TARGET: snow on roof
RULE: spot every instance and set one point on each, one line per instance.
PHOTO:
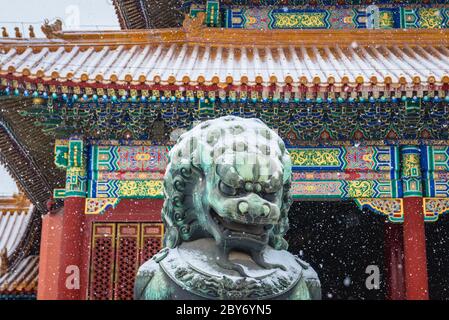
(15, 215)
(196, 64)
(21, 279)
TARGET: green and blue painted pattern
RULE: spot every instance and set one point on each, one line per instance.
(354, 159)
(135, 171)
(76, 175)
(342, 189)
(389, 17)
(435, 164)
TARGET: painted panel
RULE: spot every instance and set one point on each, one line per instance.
(389, 17)
(392, 208)
(335, 172)
(300, 189)
(338, 175)
(126, 189)
(434, 208)
(117, 175)
(350, 159)
(128, 162)
(435, 158)
(128, 158)
(436, 188)
(435, 166)
(340, 189)
(298, 19)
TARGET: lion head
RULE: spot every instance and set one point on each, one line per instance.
(228, 179)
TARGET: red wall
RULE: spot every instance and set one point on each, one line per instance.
(64, 242)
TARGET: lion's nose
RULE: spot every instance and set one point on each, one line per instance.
(243, 207)
(266, 209)
(263, 210)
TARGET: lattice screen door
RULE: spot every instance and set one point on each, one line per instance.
(118, 249)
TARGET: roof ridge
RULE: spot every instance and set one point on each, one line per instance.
(226, 37)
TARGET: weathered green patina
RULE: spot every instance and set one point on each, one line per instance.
(227, 196)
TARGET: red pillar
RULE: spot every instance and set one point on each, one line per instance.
(394, 261)
(48, 258)
(61, 247)
(415, 260)
(71, 246)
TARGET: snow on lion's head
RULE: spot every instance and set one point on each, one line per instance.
(228, 179)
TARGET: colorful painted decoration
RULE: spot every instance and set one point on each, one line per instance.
(128, 175)
(435, 158)
(121, 169)
(437, 188)
(76, 175)
(298, 122)
(213, 13)
(298, 19)
(362, 158)
(356, 17)
(318, 3)
(411, 171)
(434, 207)
(100, 205)
(392, 208)
(338, 175)
(59, 193)
(341, 189)
(126, 189)
(129, 159)
(61, 155)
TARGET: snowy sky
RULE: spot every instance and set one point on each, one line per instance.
(76, 15)
(7, 185)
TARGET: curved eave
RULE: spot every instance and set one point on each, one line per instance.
(13, 224)
(22, 279)
(24, 150)
(227, 57)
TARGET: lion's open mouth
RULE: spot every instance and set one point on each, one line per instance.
(232, 228)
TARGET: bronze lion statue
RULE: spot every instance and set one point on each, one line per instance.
(227, 197)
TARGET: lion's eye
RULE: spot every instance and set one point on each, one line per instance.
(230, 191)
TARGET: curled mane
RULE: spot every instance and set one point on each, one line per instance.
(184, 211)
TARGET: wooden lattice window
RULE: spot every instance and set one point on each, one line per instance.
(118, 249)
(102, 262)
(151, 243)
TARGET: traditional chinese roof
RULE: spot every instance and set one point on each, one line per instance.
(15, 216)
(231, 58)
(21, 281)
(19, 230)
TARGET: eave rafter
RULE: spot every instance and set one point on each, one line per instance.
(27, 165)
